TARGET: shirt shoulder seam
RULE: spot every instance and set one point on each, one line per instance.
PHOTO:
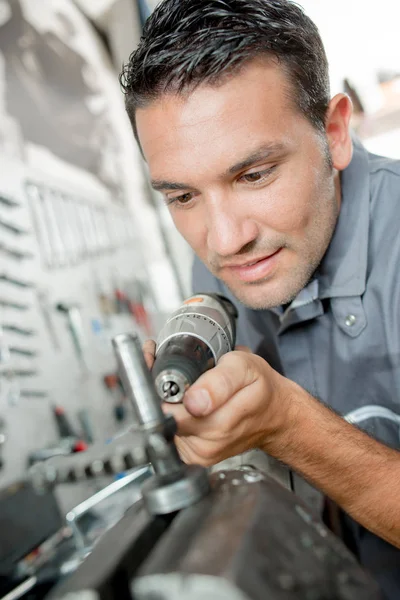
(391, 168)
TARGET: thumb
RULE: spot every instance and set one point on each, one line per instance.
(234, 371)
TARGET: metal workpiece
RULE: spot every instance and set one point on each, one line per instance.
(250, 539)
(106, 572)
(136, 379)
(163, 496)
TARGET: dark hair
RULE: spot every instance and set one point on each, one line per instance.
(189, 42)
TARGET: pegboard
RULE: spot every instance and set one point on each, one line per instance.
(40, 366)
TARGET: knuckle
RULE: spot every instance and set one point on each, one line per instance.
(206, 452)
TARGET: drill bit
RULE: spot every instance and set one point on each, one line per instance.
(170, 389)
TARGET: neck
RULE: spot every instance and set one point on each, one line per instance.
(338, 189)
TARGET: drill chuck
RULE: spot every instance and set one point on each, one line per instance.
(191, 342)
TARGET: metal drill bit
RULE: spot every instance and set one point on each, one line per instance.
(170, 389)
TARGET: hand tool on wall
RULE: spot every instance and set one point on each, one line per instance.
(7, 303)
(46, 311)
(16, 229)
(40, 222)
(8, 201)
(14, 252)
(75, 327)
(113, 384)
(33, 394)
(86, 424)
(64, 426)
(11, 328)
(23, 351)
(19, 373)
(10, 279)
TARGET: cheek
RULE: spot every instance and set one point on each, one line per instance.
(192, 228)
(292, 203)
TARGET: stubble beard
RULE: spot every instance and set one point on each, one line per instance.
(319, 238)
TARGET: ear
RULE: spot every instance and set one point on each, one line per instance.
(337, 129)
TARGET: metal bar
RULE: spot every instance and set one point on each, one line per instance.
(21, 589)
(137, 380)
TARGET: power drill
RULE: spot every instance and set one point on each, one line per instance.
(191, 342)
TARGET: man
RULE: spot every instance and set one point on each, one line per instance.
(230, 104)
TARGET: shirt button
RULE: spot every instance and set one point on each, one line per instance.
(350, 320)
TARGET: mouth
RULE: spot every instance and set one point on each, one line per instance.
(256, 270)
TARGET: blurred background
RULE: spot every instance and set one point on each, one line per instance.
(87, 250)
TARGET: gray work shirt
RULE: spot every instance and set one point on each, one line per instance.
(340, 338)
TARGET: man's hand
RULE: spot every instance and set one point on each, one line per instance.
(242, 404)
(238, 405)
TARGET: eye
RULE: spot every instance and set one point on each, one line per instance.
(181, 200)
(257, 176)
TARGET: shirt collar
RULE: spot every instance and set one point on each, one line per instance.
(342, 272)
(343, 269)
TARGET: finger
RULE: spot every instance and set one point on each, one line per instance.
(149, 351)
(243, 349)
(185, 422)
(187, 425)
(234, 371)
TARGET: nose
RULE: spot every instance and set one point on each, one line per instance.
(229, 227)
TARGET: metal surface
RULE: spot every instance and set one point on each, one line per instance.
(250, 539)
(73, 516)
(136, 379)
(162, 497)
(21, 589)
(171, 386)
(117, 555)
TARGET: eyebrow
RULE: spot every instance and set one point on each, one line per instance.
(261, 153)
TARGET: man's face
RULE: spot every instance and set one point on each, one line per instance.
(247, 180)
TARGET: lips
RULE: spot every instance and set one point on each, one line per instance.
(254, 271)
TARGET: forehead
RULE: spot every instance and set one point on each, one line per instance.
(213, 125)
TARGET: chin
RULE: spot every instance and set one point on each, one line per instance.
(265, 294)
